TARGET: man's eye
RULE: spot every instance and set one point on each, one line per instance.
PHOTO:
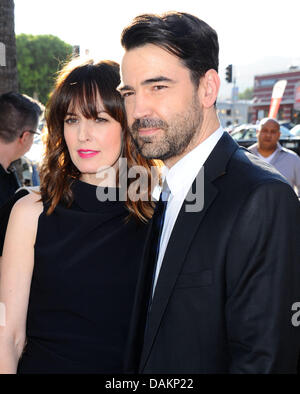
(71, 120)
(127, 94)
(159, 87)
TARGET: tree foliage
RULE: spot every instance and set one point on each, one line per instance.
(39, 58)
(247, 94)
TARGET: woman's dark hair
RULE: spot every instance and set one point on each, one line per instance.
(183, 35)
(80, 86)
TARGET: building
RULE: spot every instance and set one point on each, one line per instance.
(262, 94)
(234, 112)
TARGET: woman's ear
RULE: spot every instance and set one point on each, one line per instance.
(209, 88)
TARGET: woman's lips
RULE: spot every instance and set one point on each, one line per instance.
(86, 153)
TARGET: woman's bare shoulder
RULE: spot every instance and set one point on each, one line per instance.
(28, 207)
(23, 224)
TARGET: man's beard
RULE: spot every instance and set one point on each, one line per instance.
(177, 135)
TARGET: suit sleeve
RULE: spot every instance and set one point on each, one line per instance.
(263, 282)
(297, 174)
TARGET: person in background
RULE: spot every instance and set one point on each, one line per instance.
(219, 280)
(269, 149)
(70, 260)
(19, 117)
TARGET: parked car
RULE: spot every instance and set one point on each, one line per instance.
(296, 130)
(288, 125)
(245, 135)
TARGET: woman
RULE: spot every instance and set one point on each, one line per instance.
(70, 261)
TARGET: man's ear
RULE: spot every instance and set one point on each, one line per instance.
(26, 140)
(25, 136)
(209, 88)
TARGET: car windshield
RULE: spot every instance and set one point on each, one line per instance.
(245, 133)
(285, 132)
(237, 135)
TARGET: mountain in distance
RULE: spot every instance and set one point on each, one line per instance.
(245, 72)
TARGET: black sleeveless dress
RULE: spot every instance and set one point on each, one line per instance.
(86, 265)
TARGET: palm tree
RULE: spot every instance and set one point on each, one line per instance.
(8, 58)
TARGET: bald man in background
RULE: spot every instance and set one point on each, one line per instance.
(269, 149)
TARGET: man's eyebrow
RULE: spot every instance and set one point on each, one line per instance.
(157, 79)
(125, 87)
(146, 82)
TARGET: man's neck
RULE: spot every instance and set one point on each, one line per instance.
(6, 157)
(265, 153)
(208, 127)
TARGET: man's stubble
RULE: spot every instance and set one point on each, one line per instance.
(175, 137)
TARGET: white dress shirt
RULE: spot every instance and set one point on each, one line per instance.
(180, 178)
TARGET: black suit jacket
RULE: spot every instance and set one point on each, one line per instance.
(229, 277)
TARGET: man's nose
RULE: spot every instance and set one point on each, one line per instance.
(142, 106)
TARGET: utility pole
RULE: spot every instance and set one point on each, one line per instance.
(233, 94)
(8, 57)
(228, 78)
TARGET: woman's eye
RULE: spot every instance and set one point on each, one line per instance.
(101, 120)
(71, 120)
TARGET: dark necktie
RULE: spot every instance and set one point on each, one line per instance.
(157, 227)
(144, 299)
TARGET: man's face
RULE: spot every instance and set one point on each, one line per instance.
(268, 136)
(162, 105)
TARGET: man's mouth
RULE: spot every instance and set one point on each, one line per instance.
(148, 131)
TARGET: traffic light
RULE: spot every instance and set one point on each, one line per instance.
(229, 73)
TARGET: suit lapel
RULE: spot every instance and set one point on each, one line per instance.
(176, 251)
(180, 240)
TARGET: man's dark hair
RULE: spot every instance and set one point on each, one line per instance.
(17, 113)
(183, 35)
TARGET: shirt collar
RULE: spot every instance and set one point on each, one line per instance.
(10, 169)
(279, 147)
(181, 176)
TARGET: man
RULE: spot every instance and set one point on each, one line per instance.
(269, 149)
(19, 118)
(227, 275)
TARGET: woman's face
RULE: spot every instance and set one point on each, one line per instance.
(93, 144)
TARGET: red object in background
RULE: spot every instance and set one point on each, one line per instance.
(277, 94)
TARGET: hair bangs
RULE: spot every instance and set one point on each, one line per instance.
(85, 88)
(84, 99)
